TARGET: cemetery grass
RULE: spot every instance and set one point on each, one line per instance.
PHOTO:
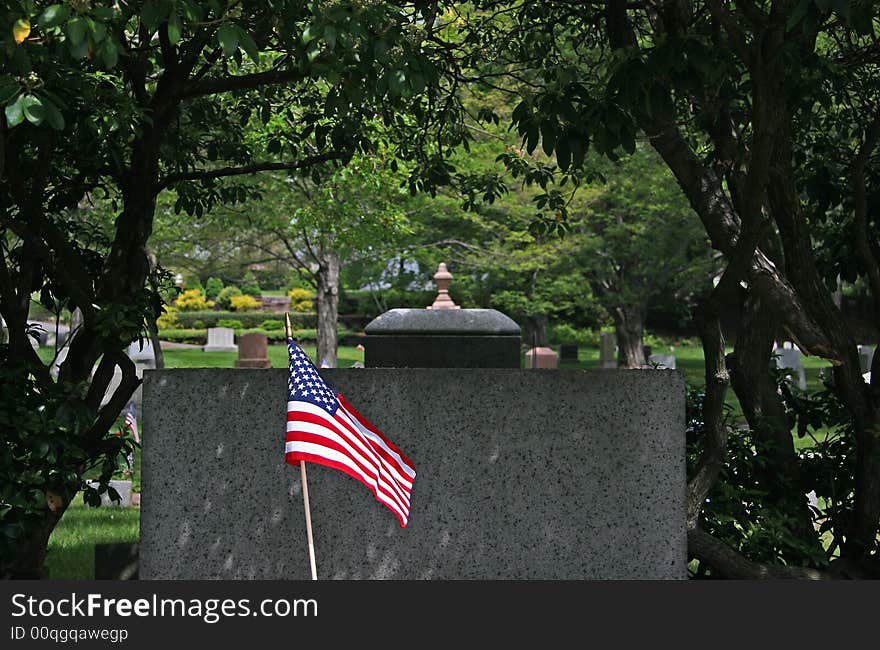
(71, 553)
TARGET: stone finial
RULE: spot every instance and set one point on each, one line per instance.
(443, 277)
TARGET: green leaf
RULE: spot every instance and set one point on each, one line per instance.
(227, 36)
(33, 109)
(53, 16)
(174, 28)
(330, 37)
(310, 33)
(109, 53)
(53, 116)
(76, 31)
(15, 112)
(563, 153)
(248, 45)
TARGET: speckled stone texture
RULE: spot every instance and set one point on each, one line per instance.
(442, 338)
(521, 474)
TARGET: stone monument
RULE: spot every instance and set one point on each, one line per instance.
(442, 335)
(252, 351)
(221, 339)
(608, 350)
(541, 357)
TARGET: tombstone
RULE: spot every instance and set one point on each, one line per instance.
(123, 487)
(568, 352)
(142, 351)
(252, 351)
(608, 350)
(866, 357)
(789, 358)
(442, 336)
(662, 361)
(541, 358)
(221, 339)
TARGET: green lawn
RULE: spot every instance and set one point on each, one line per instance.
(71, 553)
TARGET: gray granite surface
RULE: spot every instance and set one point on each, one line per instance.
(521, 474)
(473, 322)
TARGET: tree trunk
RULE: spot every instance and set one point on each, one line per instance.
(629, 326)
(327, 303)
(535, 330)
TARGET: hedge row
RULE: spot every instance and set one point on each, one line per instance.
(248, 319)
(200, 336)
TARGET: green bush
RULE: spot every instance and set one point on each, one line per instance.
(192, 300)
(272, 325)
(224, 298)
(250, 286)
(212, 318)
(213, 287)
(244, 303)
(565, 333)
(199, 325)
(234, 323)
(198, 337)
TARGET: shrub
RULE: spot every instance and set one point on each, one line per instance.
(301, 299)
(193, 283)
(272, 325)
(250, 286)
(168, 319)
(244, 303)
(199, 325)
(226, 295)
(192, 300)
(198, 337)
(213, 287)
(248, 319)
(230, 322)
(565, 333)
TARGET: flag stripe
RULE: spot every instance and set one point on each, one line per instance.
(406, 464)
(296, 451)
(366, 444)
(320, 434)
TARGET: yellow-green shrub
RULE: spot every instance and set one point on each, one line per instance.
(243, 303)
(301, 299)
(192, 300)
(168, 319)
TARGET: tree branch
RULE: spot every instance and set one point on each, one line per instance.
(217, 85)
(222, 172)
(732, 564)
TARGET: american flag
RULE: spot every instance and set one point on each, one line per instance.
(131, 423)
(323, 428)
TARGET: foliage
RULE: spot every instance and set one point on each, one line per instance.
(565, 333)
(272, 324)
(301, 299)
(228, 322)
(248, 319)
(213, 287)
(44, 455)
(192, 300)
(739, 509)
(168, 319)
(244, 303)
(224, 298)
(250, 286)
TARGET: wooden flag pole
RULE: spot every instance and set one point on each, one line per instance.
(302, 467)
(305, 484)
